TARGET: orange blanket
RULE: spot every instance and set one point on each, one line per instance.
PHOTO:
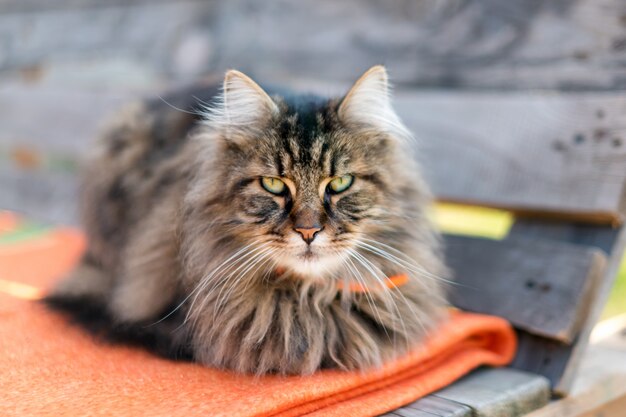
(49, 367)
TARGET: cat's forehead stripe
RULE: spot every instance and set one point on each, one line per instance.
(304, 134)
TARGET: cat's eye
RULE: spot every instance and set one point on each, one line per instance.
(340, 184)
(273, 185)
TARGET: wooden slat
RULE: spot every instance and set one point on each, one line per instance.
(542, 287)
(498, 392)
(601, 237)
(537, 154)
(42, 196)
(599, 385)
(482, 44)
(548, 357)
(522, 44)
(433, 406)
(560, 362)
(440, 407)
(484, 393)
(552, 154)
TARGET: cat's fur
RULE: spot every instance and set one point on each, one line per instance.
(187, 251)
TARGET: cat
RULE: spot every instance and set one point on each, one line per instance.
(260, 232)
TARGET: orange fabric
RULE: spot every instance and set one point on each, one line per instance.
(49, 367)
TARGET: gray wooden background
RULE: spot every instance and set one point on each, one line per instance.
(66, 64)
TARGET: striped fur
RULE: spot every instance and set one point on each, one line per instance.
(183, 236)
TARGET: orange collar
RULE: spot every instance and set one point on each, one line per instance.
(393, 281)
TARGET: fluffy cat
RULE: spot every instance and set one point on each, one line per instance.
(259, 234)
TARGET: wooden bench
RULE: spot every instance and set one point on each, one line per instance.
(558, 163)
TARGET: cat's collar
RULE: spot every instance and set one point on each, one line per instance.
(391, 282)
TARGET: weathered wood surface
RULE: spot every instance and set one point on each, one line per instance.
(551, 154)
(43, 132)
(519, 392)
(112, 43)
(560, 362)
(141, 46)
(567, 44)
(433, 405)
(600, 383)
(43, 197)
(542, 287)
(484, 393)
(601, 237)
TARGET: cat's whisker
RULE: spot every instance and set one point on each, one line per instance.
(207, 280)
(198, 286)
(225, 273)
(359, 277)
(395, 292)
(214, 287)
(231, 279)
(240, 255)
(404, 262)
(407, 262)
(260, 260)
(380, 278)
(194, 113)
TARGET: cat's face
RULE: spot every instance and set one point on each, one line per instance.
(309, 181)
(308, 200)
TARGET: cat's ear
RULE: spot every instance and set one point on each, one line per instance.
(368, 104)
(244, 103)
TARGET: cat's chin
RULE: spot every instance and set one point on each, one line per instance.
(312, 264)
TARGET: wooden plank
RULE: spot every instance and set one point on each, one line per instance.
(601, 237)
(114, 42)
(559, 155)
(76, 114)
(574, 44)
(547, 357)
(12, 6)
(440, 407)
(40, 196)
(599, 385)
(484, 393)
(558, 361)
(542, 287)
(499, 392)
(408, 412)
(524, 170)
(481, 44)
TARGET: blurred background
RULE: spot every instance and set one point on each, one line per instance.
(67, 64)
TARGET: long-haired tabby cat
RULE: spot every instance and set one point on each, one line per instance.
(260, 234)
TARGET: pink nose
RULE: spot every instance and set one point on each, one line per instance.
(308, 234)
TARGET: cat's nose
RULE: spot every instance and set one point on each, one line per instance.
(308, 233)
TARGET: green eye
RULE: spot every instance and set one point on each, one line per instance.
(273, 185)
(340, 184)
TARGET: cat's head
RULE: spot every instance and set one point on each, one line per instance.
(310, 182)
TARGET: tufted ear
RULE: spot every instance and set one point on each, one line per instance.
(368, 104)
(244, 103)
